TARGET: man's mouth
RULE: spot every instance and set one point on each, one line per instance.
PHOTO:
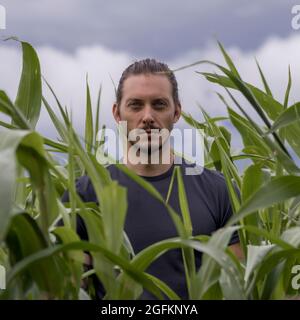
(152, 130)
(152, 133)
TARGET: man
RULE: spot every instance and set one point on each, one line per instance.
(147, 98)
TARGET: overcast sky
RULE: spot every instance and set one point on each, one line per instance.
(164, 29)
(101, 38)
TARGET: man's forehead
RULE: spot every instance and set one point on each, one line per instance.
(147, 85)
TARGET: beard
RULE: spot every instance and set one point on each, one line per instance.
(151, 146)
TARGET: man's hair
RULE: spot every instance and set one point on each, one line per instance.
(148, 66)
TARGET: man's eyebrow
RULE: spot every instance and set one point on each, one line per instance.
(162, 98)
(133, 100)
(141, 100)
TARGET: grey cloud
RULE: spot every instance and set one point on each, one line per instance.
(162, 29)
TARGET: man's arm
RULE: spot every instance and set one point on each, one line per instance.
(237, 250)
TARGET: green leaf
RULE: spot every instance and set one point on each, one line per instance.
(292, 236)
(8, 108)
(275, 191)
(288, 89)
(213, 249)
(188, 254)
(89, 133)
(226, 134)
(271, 106)
(86, 246)
(163, 287)
(183, 202)
(71, 183)
(228, 167)
(274, 259)
(269, 237)
(192, 122)
(61, 109)
(75, 258)
(267, 88)
(229, 61)
(32, 156)
(208, 273)
(57, 123)
(254, 178)
(29, 95)
(255, 256)
(278, 147)
(6, 105)
(12, 141)
(215, 155)
(97, 116)
(113, 204)
(104, 268)
(97, 173)
(287, 117)
(25, 239)
(249, 135)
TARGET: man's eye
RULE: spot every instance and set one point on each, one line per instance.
(160, 104)
(134, 105)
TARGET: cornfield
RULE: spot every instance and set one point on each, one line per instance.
(45, 261)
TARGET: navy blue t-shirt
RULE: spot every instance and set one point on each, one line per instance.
(147, 220)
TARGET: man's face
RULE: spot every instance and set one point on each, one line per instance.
(147, 103)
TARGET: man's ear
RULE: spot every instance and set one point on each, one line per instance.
(116, 112)
(177, 113)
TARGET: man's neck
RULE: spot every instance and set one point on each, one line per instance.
(152, 169)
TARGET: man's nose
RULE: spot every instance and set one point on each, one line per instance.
(148, 116)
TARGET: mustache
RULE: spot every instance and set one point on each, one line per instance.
(147, 129)
(150, 128)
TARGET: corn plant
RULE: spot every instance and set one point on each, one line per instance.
(45, 261)
(268, 209)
